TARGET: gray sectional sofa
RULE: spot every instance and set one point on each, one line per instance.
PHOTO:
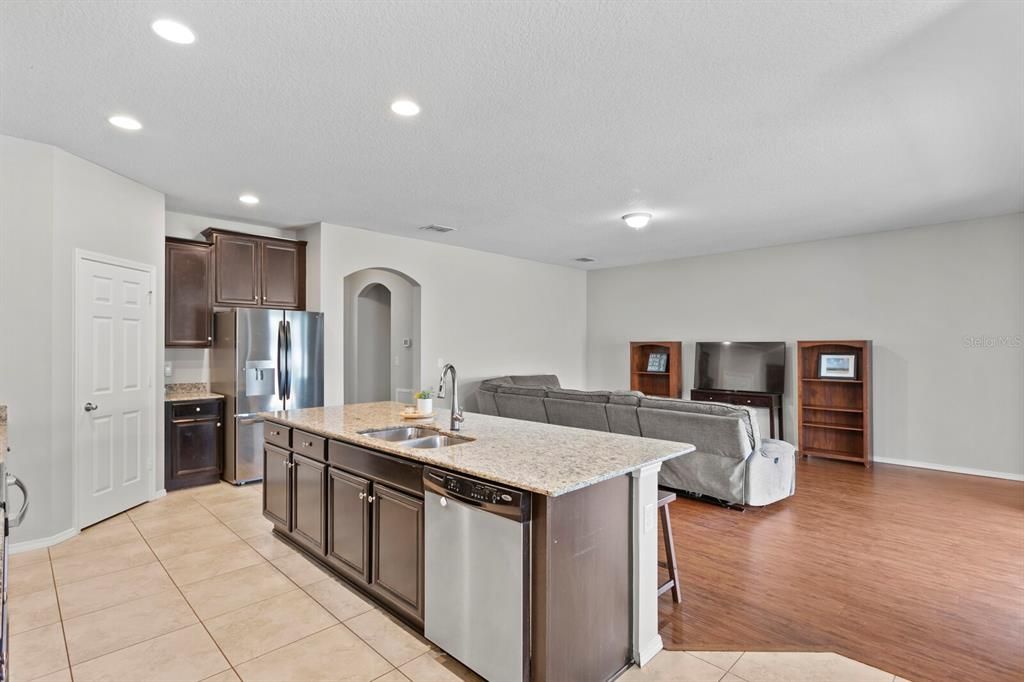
(732, 462)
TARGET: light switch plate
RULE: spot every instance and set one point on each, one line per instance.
(168, 370)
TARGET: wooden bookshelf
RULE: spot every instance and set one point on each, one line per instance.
(833, 414)
(667, 384)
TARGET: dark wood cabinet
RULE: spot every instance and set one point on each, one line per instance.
(237, 260)
(283, 274)
(193, 443)
(277, 486)
(358, 511)
(398, 547)
(348, 523)
(307, 502)
(187, 290)
(260, 272)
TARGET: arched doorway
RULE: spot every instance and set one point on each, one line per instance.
(382, 336)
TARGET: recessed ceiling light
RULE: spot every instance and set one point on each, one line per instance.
(585, 259)
(125, 122)
(249, 199)
(637, 221)
(173, 31)
(405, 107)
(434, 227)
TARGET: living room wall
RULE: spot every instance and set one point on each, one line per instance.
(943, 304)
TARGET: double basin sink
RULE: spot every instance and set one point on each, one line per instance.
(416, 437)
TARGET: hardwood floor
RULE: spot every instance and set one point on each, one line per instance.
(913, 571)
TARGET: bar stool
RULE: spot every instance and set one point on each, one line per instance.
(665, 497)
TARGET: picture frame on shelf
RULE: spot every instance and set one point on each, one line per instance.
(657, 362)
(837, 366)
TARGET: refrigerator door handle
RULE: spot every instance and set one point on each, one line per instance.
(288, 360)
(281, 367)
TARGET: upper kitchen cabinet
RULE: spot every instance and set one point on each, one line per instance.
(189, 313)
(258, 272)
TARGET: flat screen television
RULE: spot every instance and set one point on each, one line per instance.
(755, 366)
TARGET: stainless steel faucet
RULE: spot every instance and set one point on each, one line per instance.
(457, 417)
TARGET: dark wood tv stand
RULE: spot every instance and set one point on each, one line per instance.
(771, 401)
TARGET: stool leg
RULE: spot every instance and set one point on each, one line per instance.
(670, 554)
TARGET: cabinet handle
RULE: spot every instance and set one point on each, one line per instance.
(307, 444)
(362, 496)
(209, 338)
(370, 499)
(199, 409)
(218, 423)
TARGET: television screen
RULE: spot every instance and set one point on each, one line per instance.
(757, 366)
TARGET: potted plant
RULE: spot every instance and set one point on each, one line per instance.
(425, 402)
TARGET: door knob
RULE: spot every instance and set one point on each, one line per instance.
(90, 407)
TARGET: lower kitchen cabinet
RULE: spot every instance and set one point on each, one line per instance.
(398, 547)
(364, 519)
(277, 486)
(348, 523)
(193, 443)
(307, 502)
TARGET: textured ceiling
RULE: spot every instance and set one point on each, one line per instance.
(736, 124)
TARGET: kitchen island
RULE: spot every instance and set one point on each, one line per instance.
(583, 503)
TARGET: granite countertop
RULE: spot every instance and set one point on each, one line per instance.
(541, 458)
(181, 392)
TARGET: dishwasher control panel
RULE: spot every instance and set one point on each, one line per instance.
(476, 492)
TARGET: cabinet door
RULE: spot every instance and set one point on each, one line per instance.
(308, 509)
(238, 270)
(398, 547)
(195, 451)
(189, 314)
(277, 486)
(348, 523)
(282, 267)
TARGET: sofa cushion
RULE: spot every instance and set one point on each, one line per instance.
(626, 398)
(492, 384)
(581, 396)
(536, 380)
(723, 436)
(581, 414)
(622, 418)
(746, 415)
(521, 402)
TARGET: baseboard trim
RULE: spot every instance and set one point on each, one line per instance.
(158, 494)
(950, 469)
(40, 543)
(649, 650)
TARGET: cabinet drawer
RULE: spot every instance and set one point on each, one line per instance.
(197, 410)
(309, 445)
(277, 434)
(398, 473)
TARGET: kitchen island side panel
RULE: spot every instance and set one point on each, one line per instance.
(582, 588)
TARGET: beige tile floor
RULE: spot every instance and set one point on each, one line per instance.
(194, 587)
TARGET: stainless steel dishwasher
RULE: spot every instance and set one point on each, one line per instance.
(476, 573)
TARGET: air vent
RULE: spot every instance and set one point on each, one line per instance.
(438, 228)
(585, 259)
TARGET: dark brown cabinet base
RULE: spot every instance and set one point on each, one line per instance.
(193, 443)
(358, 512)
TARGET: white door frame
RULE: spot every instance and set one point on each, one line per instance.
(149, 341)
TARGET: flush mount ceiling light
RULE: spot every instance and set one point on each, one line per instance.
(637, 221)
(125, 122)
(249, 199)
(173, 31)
(405, 107)
(585, 259)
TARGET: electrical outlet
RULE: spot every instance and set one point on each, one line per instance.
(650, 518)
(168, 370)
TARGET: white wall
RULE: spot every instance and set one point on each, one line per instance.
(488, 314)
(52, 204)
(920, 294)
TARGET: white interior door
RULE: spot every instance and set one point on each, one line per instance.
(114, 387)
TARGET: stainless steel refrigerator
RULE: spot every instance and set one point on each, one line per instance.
(262, 361)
